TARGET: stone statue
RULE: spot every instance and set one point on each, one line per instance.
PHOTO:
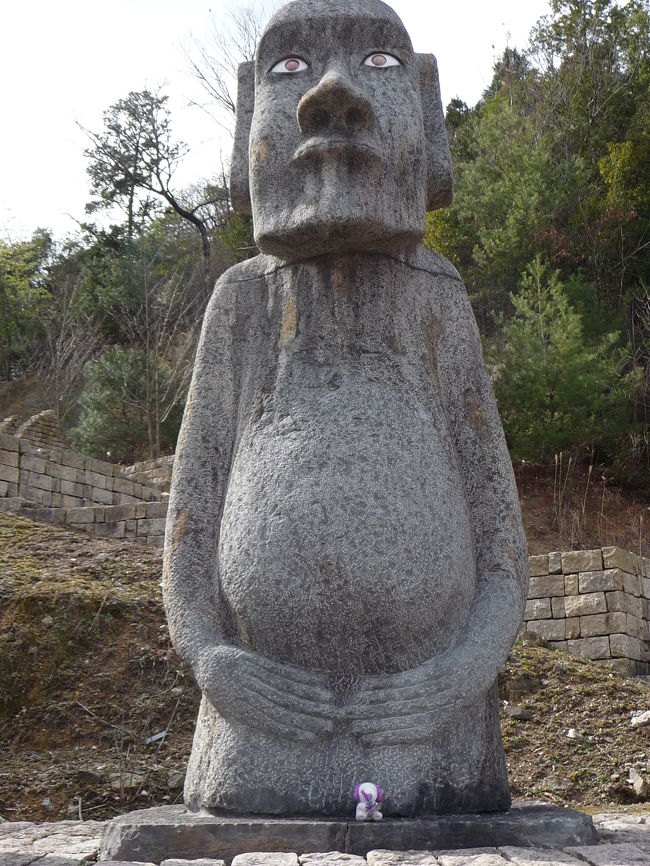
(345, 565)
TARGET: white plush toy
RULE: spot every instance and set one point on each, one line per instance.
(368, 797)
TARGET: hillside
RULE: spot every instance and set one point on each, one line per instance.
(573, 508)
(88, 675)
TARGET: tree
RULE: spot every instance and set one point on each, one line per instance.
(505, 194)
(591, 54)
(593, 88)
(120, 412)
(214, 63)
(70, 340)
(24, 294)
(557, 392)
(132, 162)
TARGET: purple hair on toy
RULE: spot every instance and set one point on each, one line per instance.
(357, 791)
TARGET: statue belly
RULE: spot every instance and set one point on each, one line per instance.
(345, 540)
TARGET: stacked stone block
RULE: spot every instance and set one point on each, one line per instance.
(593, 603)
(155, 473)
(59, 486)
(42, 430)
(10, 424)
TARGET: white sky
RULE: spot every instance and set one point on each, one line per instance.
(63, 61)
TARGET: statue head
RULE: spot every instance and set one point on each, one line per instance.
(340, 142)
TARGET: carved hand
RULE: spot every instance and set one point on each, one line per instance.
(404, 707)
(283, 700)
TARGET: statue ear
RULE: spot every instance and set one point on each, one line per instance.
(239, 191)
(439, 176)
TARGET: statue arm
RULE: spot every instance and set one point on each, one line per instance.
(401, 707)
(281, 699)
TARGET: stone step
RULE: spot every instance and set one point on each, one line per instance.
(16, 503)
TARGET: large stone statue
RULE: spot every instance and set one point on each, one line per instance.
(345, 565)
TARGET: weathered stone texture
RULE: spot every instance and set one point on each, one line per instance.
(269, 858)
(621, 854)
(558, 608)
(401, 858)
(539, 565)
(178, 833)
(201, 861)
(584, 605)
(538, 857)
(597, 581)
(582, 560)
(625, 646)
(572, 627)
(622, 601)
(341, 462)
(590, 648)
(550, 629)
(602, 623)
(616, 557)
(571, 584)
(632, 584)
(538, 608)
(548, 586)
(332, 858)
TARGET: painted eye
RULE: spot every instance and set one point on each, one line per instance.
(290, 65)
(381, 61)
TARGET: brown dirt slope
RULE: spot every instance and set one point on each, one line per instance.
(88, 675)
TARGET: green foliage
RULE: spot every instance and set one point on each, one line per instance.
(126, 159)
(505, 192)
(128, 399)
(557, 391)
(24, 296)
(236, 237)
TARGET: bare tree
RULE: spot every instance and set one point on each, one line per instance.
(69, 342)
(165, 325)
(214, 61)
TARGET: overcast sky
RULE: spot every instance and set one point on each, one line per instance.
(65, 61)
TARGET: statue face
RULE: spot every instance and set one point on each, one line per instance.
(337, 149)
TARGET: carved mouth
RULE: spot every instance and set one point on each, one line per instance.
(320, 145)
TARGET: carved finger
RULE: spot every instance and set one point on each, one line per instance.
(388, 723)
(364, 717)
(280, 697)
(291, 673)
(287, 719)
(277, 727)
(429, 691)
(274, 678)
(411, 679)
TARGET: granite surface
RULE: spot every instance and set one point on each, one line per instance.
(345, 565)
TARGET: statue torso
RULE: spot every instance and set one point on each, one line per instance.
(345, 541)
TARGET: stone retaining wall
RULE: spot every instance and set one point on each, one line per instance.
(142, 522)
(155, 473)
(59, 486)
(42, 430)
(593, 603)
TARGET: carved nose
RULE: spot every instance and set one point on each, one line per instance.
(334, 105)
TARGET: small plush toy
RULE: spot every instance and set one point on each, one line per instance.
(368, 798)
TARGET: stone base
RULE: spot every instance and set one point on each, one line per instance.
(153, 835)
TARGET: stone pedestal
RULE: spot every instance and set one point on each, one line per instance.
(153, 835)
